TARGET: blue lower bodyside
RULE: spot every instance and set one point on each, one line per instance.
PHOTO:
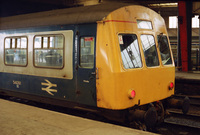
(62, 89)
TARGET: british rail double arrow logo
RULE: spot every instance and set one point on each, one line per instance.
(48, 88)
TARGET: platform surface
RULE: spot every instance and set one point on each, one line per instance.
(20, 119)
(187, 75)
(187, 83)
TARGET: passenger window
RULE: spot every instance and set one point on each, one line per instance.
(48, 51)
(164, 49)
(130, 52)
(87, 52)
(149, 48)
(16, 51)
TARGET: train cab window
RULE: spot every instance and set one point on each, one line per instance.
(16, 51)
(164, 49)
(144, 24)
(48, 51)
(130, 52)
(149, 48)
(87, 52)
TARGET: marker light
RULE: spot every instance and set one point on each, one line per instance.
(171, 85)
(131, 94)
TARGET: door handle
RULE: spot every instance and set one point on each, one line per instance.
(93, 73)
(96, 73)
(92, 76)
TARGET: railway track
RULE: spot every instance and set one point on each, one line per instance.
(194, 100)
(178, 123)
(187, 120)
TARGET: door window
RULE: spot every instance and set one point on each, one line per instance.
(87, 52)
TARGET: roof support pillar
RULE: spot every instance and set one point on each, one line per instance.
(184, 35)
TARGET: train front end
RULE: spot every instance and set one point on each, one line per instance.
(134, 61)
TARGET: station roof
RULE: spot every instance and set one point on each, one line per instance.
(10, 7)
(76, 15)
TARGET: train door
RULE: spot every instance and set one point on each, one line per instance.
(86, 69)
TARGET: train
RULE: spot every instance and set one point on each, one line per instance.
(109, 58)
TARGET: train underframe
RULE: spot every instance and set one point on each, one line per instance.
(147, 117)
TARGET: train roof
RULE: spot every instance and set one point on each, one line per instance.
(76, 15)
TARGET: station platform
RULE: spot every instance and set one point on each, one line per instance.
(188, 75)
(187, 83)
(20, 119)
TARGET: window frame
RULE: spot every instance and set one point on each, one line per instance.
(139, 47)
(169, 47)
(79, 62)
(16, 37)
(156, 48)
(146, 21)
(49, 35)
